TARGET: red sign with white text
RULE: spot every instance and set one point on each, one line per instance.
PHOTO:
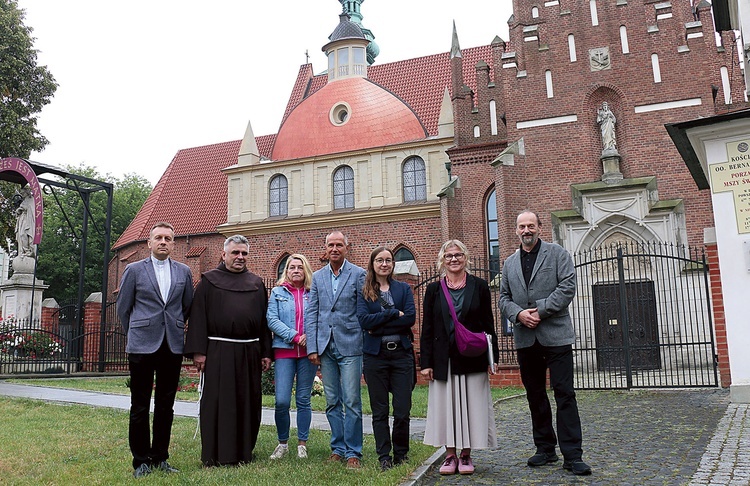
(21, 167)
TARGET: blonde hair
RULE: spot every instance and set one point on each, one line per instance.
(441, 255)
(305, 266)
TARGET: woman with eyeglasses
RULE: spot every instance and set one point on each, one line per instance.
(386, 312)
(460, 415)
(286, 310)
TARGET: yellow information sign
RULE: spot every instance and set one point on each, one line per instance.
(735, 176)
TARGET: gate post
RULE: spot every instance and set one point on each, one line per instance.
(92, 309)
(50, 315)
(720, 325)
(624, 317)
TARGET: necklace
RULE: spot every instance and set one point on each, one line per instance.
(458, 285)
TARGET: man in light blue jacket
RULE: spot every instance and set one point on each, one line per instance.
(335, 342)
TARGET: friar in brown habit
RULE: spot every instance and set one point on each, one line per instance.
(229, 341)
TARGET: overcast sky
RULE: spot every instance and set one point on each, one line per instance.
(142, 79)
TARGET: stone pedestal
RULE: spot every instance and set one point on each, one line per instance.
(611, 163)
(21, 293)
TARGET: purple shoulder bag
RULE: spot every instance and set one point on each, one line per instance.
(470, 344)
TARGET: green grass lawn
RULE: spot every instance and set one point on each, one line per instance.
(119, 385)
(46, 443)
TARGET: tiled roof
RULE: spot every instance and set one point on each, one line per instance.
(419, 82)
(346, 30)
(195, 251)
(376, 119)
(192, 193)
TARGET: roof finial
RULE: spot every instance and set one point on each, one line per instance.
(352, 8)
(455, 48)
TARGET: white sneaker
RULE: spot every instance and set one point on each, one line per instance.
(280, 451)
(302, 451)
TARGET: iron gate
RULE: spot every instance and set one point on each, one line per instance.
(643, 318)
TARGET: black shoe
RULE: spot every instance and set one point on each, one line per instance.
(386, 464)
(577, 467)
(166, 467)
(398, 460)
(541, 458)
(142, 471)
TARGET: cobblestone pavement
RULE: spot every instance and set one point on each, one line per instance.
(629, 438)
(727, 457)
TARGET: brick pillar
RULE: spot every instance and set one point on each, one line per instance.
(92, 310)
(50, 315)
(717, 304)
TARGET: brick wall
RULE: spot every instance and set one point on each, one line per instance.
(560, 155)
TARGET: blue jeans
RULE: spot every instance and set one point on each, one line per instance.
(285, 370)
(341, 382)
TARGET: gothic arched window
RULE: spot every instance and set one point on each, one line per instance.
(493, 245)
(280, 266)
(403, 254)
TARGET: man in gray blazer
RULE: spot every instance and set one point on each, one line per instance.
(334, 341)
(538, 285)
(153, 304)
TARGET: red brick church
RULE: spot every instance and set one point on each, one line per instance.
(566, 118)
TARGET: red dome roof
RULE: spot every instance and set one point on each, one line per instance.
(376, 118)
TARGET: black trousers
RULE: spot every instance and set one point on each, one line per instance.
(166, 366)
(390, 372)
(534, 362)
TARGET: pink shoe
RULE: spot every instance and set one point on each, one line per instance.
(449, 466)
(465, 466)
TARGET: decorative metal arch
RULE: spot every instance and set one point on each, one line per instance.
(72, 182)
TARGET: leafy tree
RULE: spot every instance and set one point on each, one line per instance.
(7, 216)
(60, 249)
(24, 89)
(129, 195)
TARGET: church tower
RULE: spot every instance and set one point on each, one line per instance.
(352, 8)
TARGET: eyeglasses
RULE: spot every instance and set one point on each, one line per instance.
(380, 261)
(450, 256)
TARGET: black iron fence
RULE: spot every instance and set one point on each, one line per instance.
(641, 312)
(642, 317)
(62, 343)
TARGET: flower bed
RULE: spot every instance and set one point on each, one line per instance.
(17, 342)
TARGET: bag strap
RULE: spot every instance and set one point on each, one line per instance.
(383, 302)
(450, 301)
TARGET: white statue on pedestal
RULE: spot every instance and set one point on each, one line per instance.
(606, 120)
(25, 223)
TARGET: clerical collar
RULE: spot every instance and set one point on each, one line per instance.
(159, 262)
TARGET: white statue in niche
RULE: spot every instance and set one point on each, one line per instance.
(606, 120)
